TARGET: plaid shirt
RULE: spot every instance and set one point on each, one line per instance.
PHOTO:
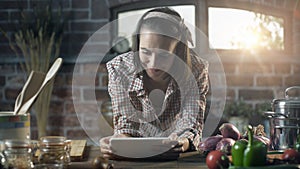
(182, 110)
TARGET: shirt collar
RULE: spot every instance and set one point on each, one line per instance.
(172, 87)
(137, 85)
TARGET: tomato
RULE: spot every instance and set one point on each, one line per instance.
(291, 156)
(217, 160)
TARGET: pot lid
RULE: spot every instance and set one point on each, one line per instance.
(286, 103)
(292, 98)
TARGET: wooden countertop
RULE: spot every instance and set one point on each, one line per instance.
(189, 160)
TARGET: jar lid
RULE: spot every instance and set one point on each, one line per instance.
(16, 143)
(53, 140)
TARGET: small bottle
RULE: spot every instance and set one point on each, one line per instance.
(54, 151)
(18, 154)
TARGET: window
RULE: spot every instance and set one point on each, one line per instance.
(126, 29)
(242, 29)
(240, 26)
(126, 16)
(227, 26)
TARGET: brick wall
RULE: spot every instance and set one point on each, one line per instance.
(255, 80)
(83, 19)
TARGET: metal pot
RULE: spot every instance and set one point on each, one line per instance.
(285, 120)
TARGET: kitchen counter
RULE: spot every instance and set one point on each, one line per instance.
(189, 160)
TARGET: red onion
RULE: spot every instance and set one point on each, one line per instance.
(225, 145)
(228, 130)
(263, 139)
(210, 143)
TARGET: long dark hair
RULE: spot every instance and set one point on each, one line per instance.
(160, 24)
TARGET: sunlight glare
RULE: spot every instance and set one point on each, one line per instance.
(240, 29)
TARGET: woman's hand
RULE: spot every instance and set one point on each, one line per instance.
(105, 146)
(183, 143)
(182, 146)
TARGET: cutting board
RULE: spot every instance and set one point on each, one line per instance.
(271, 155)
(281, 166)
(77, 149)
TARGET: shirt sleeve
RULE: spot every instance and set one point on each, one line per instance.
(122, 107)
(191, 122)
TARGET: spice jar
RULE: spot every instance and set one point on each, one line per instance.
(18, 154)
(54, 150)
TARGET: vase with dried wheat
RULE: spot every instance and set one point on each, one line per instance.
(39, 39)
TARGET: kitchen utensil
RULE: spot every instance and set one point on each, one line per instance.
(285, 120)
(50, 74)
(32, 85)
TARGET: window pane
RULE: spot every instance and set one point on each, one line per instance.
(242, 29)
(127, 29)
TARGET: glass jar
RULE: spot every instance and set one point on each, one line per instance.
(18, 154)
(54, 150)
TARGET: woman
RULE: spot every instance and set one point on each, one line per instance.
(151, 87)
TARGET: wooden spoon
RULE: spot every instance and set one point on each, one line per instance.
(32, 85)
(50, 74)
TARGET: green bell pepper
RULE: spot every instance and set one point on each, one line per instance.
(256, 152)
(297, 145)
(237, 152)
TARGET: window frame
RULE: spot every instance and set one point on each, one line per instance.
(285, 14)
(200, 15)
(201, 21)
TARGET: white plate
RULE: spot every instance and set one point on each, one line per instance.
(141, 147)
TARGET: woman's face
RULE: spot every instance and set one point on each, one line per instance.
(156, 54)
